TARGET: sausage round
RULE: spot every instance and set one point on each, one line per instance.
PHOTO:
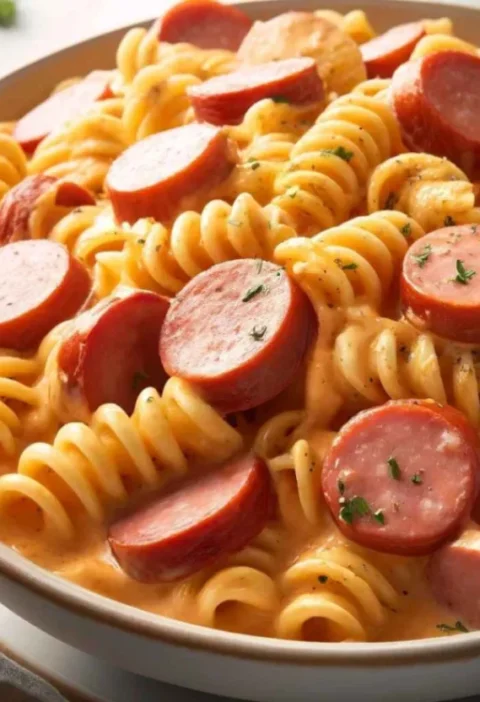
(60, 108)
(165, 172)
(199, 522)
(454, 575)
(402, 478)
(204, 23)
(225, 99)
(112, 353)
(41, 285)
(19, 203)
(436, 100)
(440, 283)
(293, 34)
(238, 332)
(382, 55)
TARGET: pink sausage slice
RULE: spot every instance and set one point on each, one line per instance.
(437, 100)
(60, 108)
(112, 353)
(402, 478)
(454, 575)
(164, 173)
(204, 23)
(440, 283)
(385, 53)
(41, 285)
(225, 99)
(196, 524)
(20, 202)
(238, 332)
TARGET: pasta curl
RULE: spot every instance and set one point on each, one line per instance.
(87, 462)
(430, 189)
(349, 596)
(354, 23)
(433, 43)
(330, 165)
(13, 163)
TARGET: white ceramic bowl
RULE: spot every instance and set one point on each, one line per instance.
(241, 666)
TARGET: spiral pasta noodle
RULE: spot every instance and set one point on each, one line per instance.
(85, 458)
(349, 594)
(432, 43)
(378, 359)
(354, 23)
(154, 258)
(330, 165)
(430, 189)
(13, 163)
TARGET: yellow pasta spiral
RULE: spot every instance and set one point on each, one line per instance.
(83, 150)
(377, 359)
(330, 165)
(341, 589)
(88, 461)
(354, 23)
(433, 43)
(154, 258)
(430, 189)
(375, 87)
(13, 163)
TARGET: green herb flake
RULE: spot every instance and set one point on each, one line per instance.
(391, 201)
(138, 380)
(356, 507)
(346, 266)
(280, 99)
(252, 292)
(456, 628)
(322, 579)
(406, 230)
(150, 399)
(449, 221)
(292, 192)
(463, 274)
(8, 10)
(417, 479)
(393, 468)
(379, 516)
(339, 151)
(255, 165)
(258, 333)
(423, 257)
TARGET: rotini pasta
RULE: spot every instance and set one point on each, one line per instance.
(13, 164)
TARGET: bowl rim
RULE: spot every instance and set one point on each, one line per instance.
(77, 600)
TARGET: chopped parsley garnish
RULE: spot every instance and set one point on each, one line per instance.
(449, 221)
(322, 579)
(417, 479)
(391, 201)
(8, 11)
(356, 507)
(341, 486)
(292, 192)
(139, 378)
(280, 99)
(339, 151)
(458, 627)
(258, 333)
(346, 266)
(463, 274)
(379, 516)
(255, 165)
(150, 399)
(406, 230)
(252, 292)
(393, 468)
(423, 257)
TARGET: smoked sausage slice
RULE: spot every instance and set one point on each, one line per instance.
(112, 353)
(402, 478)
(41, 285)
(382, 55)
(203, 520)
(225, 99)
(164, 173)
(238, 332)
(60, 108)
(204, 23)
(440, 283)
(454, 575)
(20, 202)
(436, 100)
